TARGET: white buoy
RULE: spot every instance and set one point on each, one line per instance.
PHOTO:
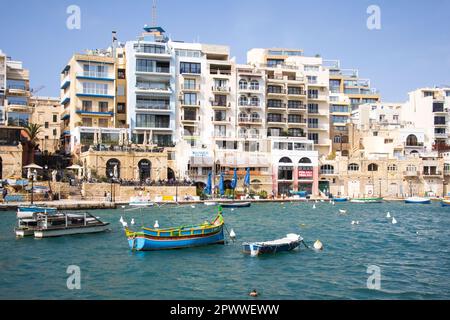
(132, 222)
(232, 234)
(318, 245)
(314, 206)
(388, 215)
(156, 226)
(232, 209)
(394, 221)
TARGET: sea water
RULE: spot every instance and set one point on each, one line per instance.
(412, 256)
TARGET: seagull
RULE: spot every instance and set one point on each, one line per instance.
(121, 220)
(388, 215)
(314, 206)
(353, 222)
(318, 245)
(193, 207)
(232, 209)
(156, 226)
(343, 211)
(132, 222)
(232, 234)
(394, 221)
(124, 224)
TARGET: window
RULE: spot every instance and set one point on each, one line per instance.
(447, 165)
(87, 122)
(220, 131)
(121, 74)
(314, 137)
(152, 121)
(103, 106)
(327, 169)
(55, 132)
(372, 167)
(46, 125)
(439, 120)
(95, 88)
(189, 67)
(150, 48)
(55, 118)
(312, 79)
(313, 123)
(190, 99)
(103, 123)
(274, 104)
(255, 101)
(87, 106)
(292, 104)
(274, 89)
(411, 140)
(295, 132)
(285, 160)
(243, 85)
(243, 101)
(189, 84)
(254, 85)
(121, 91)
(305, 160)
(274, 117)
(428, 94)
(220, 100)
(121, 108)
(313, 108)
(353, 167)
(148, 65)
(98, 71)
(220, 116)
(313, 94)
(392, 168)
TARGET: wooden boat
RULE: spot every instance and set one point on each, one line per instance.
(152, 239)
(28, 212)
(367, 200)
(290, 242)
(445, 203)
(418, 200)
(340, 199)
(140, 202)
(236, 205)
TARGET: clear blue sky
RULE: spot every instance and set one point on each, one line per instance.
(411, 50)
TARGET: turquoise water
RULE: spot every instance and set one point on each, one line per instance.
(413, 256)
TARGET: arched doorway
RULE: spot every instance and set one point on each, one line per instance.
(145, 169)
(110, 168)
(170, 174)
(411, 140)
(1, 168)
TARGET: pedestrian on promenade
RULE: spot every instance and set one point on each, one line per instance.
(4, 194)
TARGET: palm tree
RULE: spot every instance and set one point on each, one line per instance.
(32, 130)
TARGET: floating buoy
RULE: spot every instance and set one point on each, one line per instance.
(318, 245)
(156, 226)
(132, 222)
(388, 215)
(254, 294)
(232, 234)
(394, 221)
(303, 225)
(232, 209)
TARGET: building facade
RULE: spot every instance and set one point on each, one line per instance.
(46, 111)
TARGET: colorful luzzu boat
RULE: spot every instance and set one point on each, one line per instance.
(177, 238)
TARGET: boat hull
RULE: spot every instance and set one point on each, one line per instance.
(418, 201)
(23, 232)
(367, 200)
(445, 203)
(146, 242)
(340, 199)
(236, 205)
(257, 249)
(49, 233)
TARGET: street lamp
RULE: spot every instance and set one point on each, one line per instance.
(33, 176)
(110, 197)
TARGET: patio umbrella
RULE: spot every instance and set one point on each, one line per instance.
(116, 172)
(145, 138)
(74, 167)
(99, 137)
(208, 188)
(247, 178)
(95, 138)
(33, 166)
(221, 185)
(234, 180)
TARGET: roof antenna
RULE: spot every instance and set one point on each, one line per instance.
(154, 13)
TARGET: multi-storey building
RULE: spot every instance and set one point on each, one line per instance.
(46, 111)
(150, 89)
(428, 108)
(10, 152)
(17, 107)
(347, 92)
(296, 95)
(88, 98)
(2, 87)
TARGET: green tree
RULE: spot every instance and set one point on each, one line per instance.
(32, 130)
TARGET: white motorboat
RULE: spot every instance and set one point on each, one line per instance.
(141, 202)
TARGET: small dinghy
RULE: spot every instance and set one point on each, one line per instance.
(236, 205)
(340, 199)
(418, 200)
(289, 243)
(140, 202)
(445, 203)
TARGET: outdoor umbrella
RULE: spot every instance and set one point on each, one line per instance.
(208, 184)
(247, 178)
(221, 185)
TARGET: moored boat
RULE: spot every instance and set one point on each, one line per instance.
(445, 203)
(140, 202)
(367, 200)
(418, 200)
(236, 204)
(152, 239)
(340, 199)
(290, 242)
(210, 203)
(28, 212)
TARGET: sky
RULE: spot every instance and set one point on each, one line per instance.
(411, 50)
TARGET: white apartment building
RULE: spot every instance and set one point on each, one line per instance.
(429, 108)
(2, 87)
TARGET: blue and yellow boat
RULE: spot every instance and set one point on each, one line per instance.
(177, 238)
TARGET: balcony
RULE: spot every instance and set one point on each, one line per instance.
(141, 106)
(251, 89)
(276, 120)
(276, 93)
(278, 107)
(297, 122)
(158, 70)
(301, 93)
(223, 90)
(191, 88)
(189, 118)
(411, 174)
(94, 75)
(220, 105)
(296, 108)
(250, 120)
(432, 173)
(103, 113)
(249, 105)
(190, 104)
(142, 88)
(317, 127)
(413, 145)
(320, 97)
(17, 89)
(146, 51)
